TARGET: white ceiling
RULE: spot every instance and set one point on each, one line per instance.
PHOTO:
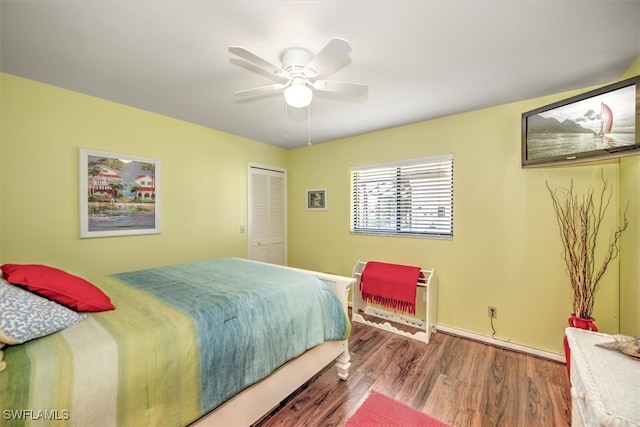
(421, 59)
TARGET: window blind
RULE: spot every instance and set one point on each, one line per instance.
(406, 198)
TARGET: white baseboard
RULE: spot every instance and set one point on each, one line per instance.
(558, 357)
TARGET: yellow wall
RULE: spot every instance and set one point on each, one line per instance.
(629, 246)
(506, 247)
(204, 181)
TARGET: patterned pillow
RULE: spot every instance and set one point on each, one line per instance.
(25, 316)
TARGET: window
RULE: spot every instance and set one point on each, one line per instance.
(406, 198)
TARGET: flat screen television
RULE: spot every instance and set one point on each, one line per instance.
(599, 124)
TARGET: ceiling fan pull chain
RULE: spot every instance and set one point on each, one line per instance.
(286, 121)
(309, 127)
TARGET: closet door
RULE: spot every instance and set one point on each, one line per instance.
(267, 215)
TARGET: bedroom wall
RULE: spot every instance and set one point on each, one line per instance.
(630, 249)
(506, 246)
(204, 181)
(630, 241)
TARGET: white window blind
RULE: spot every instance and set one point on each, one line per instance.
(407, 198)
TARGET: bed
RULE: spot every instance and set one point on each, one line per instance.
(218, 342)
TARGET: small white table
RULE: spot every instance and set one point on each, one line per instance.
(605, 384)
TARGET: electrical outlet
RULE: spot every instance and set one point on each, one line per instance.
(492, 312)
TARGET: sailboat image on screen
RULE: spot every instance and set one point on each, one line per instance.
(606, 123)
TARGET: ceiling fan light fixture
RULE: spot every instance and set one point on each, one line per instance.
(298, 95)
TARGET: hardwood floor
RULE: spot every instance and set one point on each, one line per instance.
(459, 381)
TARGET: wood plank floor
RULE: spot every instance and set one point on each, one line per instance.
(457, 380)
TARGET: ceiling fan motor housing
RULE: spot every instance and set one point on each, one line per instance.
(294, 63)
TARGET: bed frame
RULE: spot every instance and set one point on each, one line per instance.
(253, 403)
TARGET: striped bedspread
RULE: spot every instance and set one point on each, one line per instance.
(181, 341)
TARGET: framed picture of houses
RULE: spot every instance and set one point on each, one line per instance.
(119, 194)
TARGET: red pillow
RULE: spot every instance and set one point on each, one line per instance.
(57, 285)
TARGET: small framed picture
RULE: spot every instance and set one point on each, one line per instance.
(317, 199)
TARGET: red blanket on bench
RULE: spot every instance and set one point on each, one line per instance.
(390, 285)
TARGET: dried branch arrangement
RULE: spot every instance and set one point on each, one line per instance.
(579, 219)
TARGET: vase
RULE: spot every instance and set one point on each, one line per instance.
(580, 323)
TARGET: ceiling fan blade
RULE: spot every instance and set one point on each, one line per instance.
(259, 90)
(341, 87)
(336, 50)
(255, 69)
(255, 59)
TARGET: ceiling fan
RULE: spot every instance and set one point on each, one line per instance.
(301, 73)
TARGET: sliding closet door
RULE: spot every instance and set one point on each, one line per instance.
(267, 215)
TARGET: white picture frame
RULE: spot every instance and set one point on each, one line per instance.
(119, 194)
(317, 199)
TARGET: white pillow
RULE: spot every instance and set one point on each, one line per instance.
(26, 316)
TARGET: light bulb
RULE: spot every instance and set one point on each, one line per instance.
(298, 95)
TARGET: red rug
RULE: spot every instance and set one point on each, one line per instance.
(379, 410)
